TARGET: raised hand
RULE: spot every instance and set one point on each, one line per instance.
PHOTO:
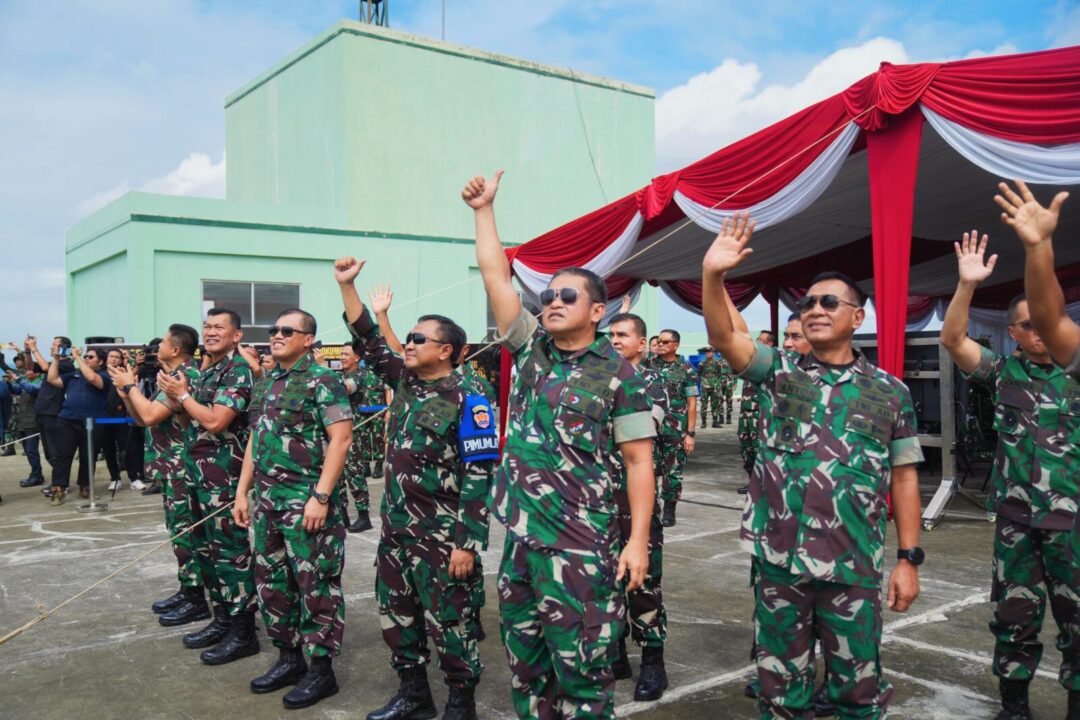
(249, 355)
(1032, 222)
(729, 248)
(320, 359)
(626, 300)
(381, 296)
(346, 269)
(479, 193)
(969, 256)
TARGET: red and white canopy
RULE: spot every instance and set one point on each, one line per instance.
(855, 183)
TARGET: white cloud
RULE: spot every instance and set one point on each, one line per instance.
(725, 104)
(197, 175)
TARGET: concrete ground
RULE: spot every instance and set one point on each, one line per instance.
(105, 656)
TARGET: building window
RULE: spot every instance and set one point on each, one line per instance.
(257, 303)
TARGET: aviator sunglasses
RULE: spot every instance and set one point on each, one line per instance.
(568, 296)
(828, 302)
(419, 339)
(286, 332)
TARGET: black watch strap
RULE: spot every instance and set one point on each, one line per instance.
(323, 498)
(691, 434)
(914, 555)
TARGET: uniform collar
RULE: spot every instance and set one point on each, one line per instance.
(861, 366)
(1031, 367)
(601, 347)
(302, 365)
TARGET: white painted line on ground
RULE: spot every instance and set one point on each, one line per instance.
(937, 614)
(975, 657)
(942, 687)
(704, 533)
(675, 694)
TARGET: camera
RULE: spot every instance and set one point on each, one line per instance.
(150, 364)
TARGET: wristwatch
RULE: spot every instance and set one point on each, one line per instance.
(323, 498)
(690, 434)
(914, 555)
(127, 388)
(183, 398)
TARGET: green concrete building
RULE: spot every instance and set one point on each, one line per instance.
(359, 143)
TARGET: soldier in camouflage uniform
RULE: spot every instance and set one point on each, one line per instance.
(166, 432)
(837, 435)
(727, 390)
(365, 391)
(301, 428)
(217, 405)
(429, 579)
(710, 371)
(645, 606)
(749, 415)
(1035, 488)
(574, 404)
(681, 379)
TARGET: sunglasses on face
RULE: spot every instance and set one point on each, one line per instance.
(665, 342)
(793, 336)
(828, 302)
(286, 332)
(1025, 325)
(419, 339)
(568, 296)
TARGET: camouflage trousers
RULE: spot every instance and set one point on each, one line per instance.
(222, 549)
(355, 476)
(748, 432)
(1029, 564)
(647, 618)
(561, 618)
(790, 611)
(713, 397)
(174, 495)
(372, 438)
(298, 579)
(672, 457)
(417, 597)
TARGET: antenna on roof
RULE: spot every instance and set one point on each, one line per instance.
(375, 12)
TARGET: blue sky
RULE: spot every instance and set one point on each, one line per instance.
(102, 96)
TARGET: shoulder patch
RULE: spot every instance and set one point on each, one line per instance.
(477, 437)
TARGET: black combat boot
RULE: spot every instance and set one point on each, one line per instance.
(319, 682)
(461, 705)
(362, 522)
(621, 666)
(704, 423)
(288, 670)
(752, 689)
(1074, 705)
(212, 634)
(1014, 700)
(162, 606)
(823, 707)
(716, 422)
(378, 472)
(240, 642)
(668, 518)
(191, 609)
(412, 701)
(653, 681)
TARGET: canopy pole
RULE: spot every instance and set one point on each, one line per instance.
(774, 313)
(893, 157)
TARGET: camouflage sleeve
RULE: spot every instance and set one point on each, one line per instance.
(234, 392)
(255, 408)
(904, 448)
(990, 364)
(332, 400)
(471, 530)
(377, 354)
(1073, 368)
(763, 364)
(520, 332)
(631, 413)
(691, 387)
(351, 385)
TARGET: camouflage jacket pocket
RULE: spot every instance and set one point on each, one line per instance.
(437, 416)
(459, 600)
(1015, 404)
(577, 419)
(865, 445)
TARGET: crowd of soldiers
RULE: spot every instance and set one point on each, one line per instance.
(588, 475)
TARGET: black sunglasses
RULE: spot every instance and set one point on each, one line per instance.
(828, 302)
(1025, 325)
(568, 296)
(419, 339)
(286, 332)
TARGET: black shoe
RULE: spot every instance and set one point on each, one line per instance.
(412, 701)
(822, 706)
(751, 689)
(154, 489)
(621, 666)
(212, 634)
(461, 704)
(668, 518)
(1014, 700)
(240, 642)
(743, 490)
(192, 609)
(288, 670)
(318, 682)
(168, 603)
(32, 482)
(716, 423)
(652, 682)
(1074, 705)
(362, 522)
(8, 451)
(378, 472)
